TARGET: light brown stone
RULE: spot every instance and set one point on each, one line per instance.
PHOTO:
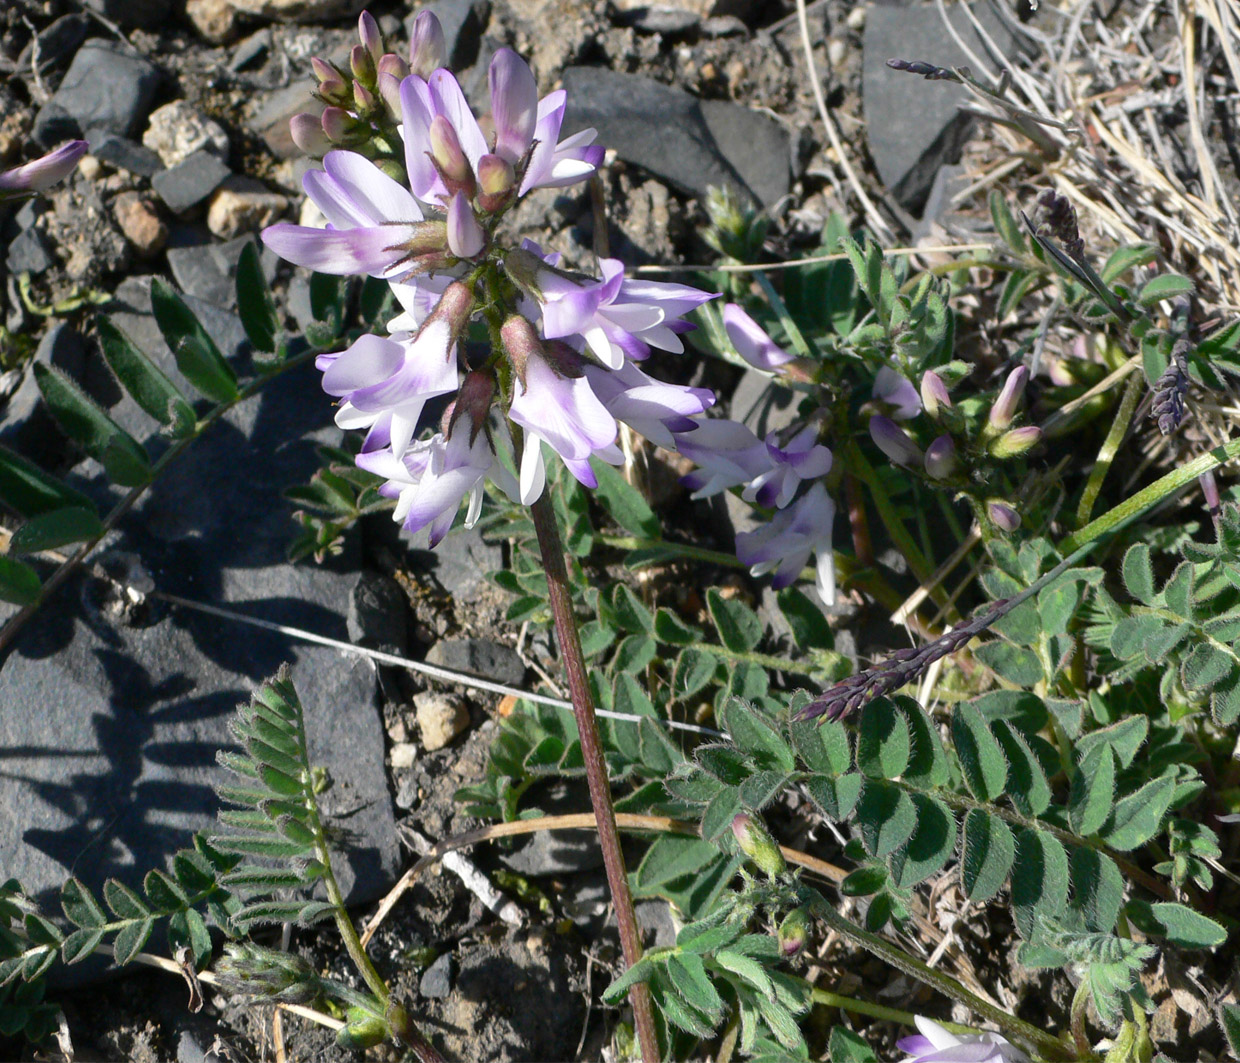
(215, 20)
(176, 130)
(441, 717)
(140, 223)
(242, 205)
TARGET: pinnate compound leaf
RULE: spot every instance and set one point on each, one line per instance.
(883, 744)
(739, 628)
(29, 491)
(19, 583)
(989, 851)
(1138, 817)
(88, 426)
(145, 381)
(197, 356)
(61, 527)
(255, 305)
(981, 756)
(1092, 794)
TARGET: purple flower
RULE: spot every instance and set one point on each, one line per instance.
(897, 391)
(428, 49)
(374, 225)
(802, 458)
(648, 406)
(784, 544)
(560, 409)
(941, 458)
(555, 165)
(750, 341)
(934, 396)
(727, 454)
(465, 236)
(1006, 405)
(934, 1044)
(43, 172)
(1004, 517)
(889, 437)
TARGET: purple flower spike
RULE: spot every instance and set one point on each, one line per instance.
(514, 104)
(898, 392)
(43, 172)
(889, 437)
(934, 1044)
(750, 341)
(1008, 402)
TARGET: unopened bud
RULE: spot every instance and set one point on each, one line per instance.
(363, 98)
(1016, 442)
(362, 63)
(1003, 516)
(934, 396)
(521, 343)
(449, 157)
(428, 50)
(473, 402)
(1008, 402)
(524, 267)
(465, 236)
(44, 171)
(794, 931)
(333, 89)
(497, 180)
(363, 1030)
(564, 361)
(756, 843)
(342, 128)
(389, 91)
(368, 33)
(889, 437)
(941, 458)
(307, 133)
(455, 306)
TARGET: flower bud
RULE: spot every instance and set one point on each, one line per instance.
(44, 171)
(941, 458)
(889, 437)
(524, 267)
(465, 236)
(449, 158)
(497, 180)
(934, 396)
(456, 305)
(755, 842)
(428, 50)
(342, 128)
(794, 931)
(1005, 406)
(362, 63)
(363, 98)
(388, 85)
(332, 86)
(1003, 516)
(363, 1030)
(473, 401)
(1015, 442)
(307, 133)
(368, 33)
(521, 343)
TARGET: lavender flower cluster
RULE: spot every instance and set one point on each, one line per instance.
(565, 354)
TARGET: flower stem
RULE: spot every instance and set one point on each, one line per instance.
(596, 767)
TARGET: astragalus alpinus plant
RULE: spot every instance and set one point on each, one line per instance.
(1060, 799)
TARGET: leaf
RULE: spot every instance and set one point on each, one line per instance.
(634, 653)
(756, 738)
(81, 943)
(822, 745)
(672, 631)
(739, 627)
(810, 629)
(927, 764)
(671, 857)
(624, 503)
(145, 381)
(981, 758)
(1125, 258)
(1138, 816)
(848, 1047)
(1206, 665)
(130, 940)
(1006, 225)
(1039, 878)
(931, 845)
(29, 491)
(49, 531)
(1229, 1019)
(630, 612)
(19, 583)
(1013, 663)
(989, 850)
(1124, 739)
(1027, 783)
(255, 306)
(1164, 286)
(864, 881)
(86, 424)
(1097, 888)
(1138, 573)
(837, 797)
(197, 356)
(303, 913)
(688, 974)
(1092, 794)
(1184, 927)
(693, 670)
(125, 904)
(641, 971)
(80, 906)
(883, 744)
(747, 969)
(886, 817)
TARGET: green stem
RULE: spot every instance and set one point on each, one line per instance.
(785, 318)
(1110, 447)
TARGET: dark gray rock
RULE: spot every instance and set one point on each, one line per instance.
(132, 14)
(756, 146)
(659, 18)
(107, 86)
(270, 116)
(190, 181)
(436, 982)
(557, 852)
(379, 613)
(479, 657)
(463, 22)
(914, 126)
(111, 765)
(56, 43)
(666, 131)
(26, 425)
(29, 252)
(249, 51)
(122, 152)
(208, 270)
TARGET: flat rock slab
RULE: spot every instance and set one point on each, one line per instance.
(107, 86)
(111, 721)
(915, 126)
(688, 143)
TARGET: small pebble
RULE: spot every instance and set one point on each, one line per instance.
(837, 51)
(404, 754)
(88, 166)
(856, 18)
(177, 130)
(240, 206)
(140, 223)
(441, 717)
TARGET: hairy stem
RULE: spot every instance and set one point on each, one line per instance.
(1110, 447)
(596, 767)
